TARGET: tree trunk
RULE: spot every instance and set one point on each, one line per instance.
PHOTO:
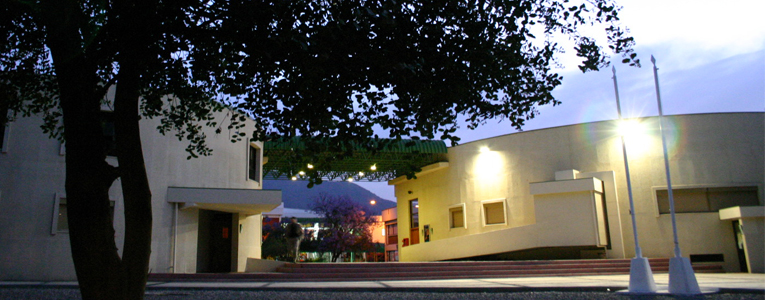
(88, 176)
(101, 273)
(135, 183)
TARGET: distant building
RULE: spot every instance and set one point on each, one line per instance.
(561, 193)
(207, 211)
(389, 220)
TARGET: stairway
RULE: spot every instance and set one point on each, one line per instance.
(435, 270)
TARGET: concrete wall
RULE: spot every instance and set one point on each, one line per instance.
(32, 173)
(704, 149)
(250, 239)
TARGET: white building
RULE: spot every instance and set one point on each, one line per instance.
(207, 211)
(562, 193)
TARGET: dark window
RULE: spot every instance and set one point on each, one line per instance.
(62, 222)
(107, 126)
(695, 200)
(457, 217)
(391, 232)
(3, 121)
(254, 172)
(392, 255)
(702, 258)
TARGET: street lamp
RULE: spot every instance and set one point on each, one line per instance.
(641, 276)
(682, 280)
(373, 202)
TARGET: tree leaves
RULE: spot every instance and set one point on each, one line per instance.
(347, 70)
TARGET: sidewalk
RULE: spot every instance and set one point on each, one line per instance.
(707, 282)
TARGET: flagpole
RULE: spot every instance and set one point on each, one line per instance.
(641, 276)
(682, 280)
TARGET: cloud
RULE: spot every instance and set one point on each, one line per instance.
(734, 84)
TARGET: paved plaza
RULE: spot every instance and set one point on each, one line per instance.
(715, 286)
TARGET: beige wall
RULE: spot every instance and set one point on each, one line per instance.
(250, 239)
(32, 173)
(705, 150)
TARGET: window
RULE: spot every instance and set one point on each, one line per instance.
(457, 217)
(107, 127)
(392, 255)
(414, 211)
(494, 212)
(391, 234)
(712, 199)
(3, 128)
(254, 164)
(60, 222)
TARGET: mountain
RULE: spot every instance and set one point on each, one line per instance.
(295, 194)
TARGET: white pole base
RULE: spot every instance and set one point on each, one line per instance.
(641, 277)
(682, 280)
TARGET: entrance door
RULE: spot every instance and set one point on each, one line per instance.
(215, 242)
(414, 221)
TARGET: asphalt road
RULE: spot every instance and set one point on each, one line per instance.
(59, 293)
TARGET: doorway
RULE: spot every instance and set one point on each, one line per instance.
(215, 242)
(414, 221)
(739, 236)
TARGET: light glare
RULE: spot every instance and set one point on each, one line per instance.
(630, 128)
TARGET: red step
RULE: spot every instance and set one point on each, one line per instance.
(434, 270)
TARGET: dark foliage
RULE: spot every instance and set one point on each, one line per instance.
(313, 69)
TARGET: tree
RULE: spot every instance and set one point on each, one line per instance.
(314, 69)
(348, 227)
(274, 241)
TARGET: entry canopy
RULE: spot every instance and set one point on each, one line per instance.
(381, 160)
(245, 201)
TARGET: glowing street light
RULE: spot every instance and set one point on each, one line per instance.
(641, 276)
(373, 167)
(373, 202)
(310, 166)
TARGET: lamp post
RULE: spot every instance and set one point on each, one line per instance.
(641, 276)
(682, 280)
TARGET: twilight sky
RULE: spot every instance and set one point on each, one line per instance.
(710, 55)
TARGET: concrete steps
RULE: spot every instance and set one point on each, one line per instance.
(434, 270)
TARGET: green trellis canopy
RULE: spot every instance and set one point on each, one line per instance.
(382, 160)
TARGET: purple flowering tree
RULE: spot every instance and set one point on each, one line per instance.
(348, 226)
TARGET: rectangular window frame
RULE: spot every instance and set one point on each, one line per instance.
(258, 168)
(483, 212)
(60, 198)
(656, 189)
(5, 129)
(391, 234)
(412, 213)
(57, 202)
(455, 207)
